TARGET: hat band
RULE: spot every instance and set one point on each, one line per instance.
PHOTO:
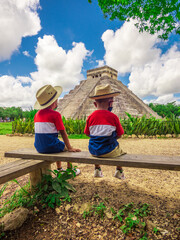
(49, 100)
(99, 95)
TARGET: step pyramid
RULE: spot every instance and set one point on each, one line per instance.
(77, 105)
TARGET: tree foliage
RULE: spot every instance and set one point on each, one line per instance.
(154, 16)
(16, 112)
(168, 110)
(11, 113)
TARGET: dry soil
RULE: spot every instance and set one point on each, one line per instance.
(159, 188)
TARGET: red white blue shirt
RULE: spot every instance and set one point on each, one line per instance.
(47, 123)
(103, 127)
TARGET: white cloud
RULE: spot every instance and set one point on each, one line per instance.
(127, 48)
(56, 66)
(26, 53)
(13, 93)
(158, 78)
(101, 63)
(151, 72)
(164, 99)
(18, 19)
(24, 80)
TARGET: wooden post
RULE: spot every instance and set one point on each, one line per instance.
(46, 168)
(36, 176)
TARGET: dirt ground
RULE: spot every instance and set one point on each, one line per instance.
(159, 188)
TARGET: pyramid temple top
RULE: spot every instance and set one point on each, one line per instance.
(101, 72)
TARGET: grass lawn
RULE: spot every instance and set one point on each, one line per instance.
(5, 128)
(78, 136)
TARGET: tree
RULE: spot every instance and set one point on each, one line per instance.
(154, 16)
(2, 115)
(29, 114)
(168, 110)
(11, 112)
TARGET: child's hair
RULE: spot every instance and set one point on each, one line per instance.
(102, 100)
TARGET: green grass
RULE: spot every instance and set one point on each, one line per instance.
(5, 128)
(78, 136)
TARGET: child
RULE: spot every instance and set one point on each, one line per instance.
(104, 128)
(48, 122)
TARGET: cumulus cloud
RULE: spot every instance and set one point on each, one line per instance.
(151, 72)
(56, 66)
(158, 78)
(127, 48)
(14, 93)
(18, 19)
(164, 99)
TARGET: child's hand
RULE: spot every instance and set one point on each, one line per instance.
(74, 150)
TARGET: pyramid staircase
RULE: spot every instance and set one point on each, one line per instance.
(73, 102)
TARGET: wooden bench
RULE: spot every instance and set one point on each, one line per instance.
(36, 168)
(18, 168)
(33, 161)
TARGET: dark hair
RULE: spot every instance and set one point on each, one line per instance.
(102, 100)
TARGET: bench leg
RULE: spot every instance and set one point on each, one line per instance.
(45, 170)
(36, 176)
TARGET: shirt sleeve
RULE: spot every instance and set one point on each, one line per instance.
(119, 128)
(35, 117)
(58, 122)
(86, 130)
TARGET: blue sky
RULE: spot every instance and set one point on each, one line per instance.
(57, 41)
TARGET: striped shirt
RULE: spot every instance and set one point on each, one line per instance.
(47, 123)
(103, 127)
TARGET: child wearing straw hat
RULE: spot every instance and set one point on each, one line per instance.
(48, 123)
(104, 128)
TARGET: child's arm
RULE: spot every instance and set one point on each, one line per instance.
(86, 130)
(67, 143)
(119, 128)
(119, 136)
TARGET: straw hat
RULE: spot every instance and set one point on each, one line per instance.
(46, 96)
(104, 91)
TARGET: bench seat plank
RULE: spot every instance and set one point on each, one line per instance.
(128, 160)
(10, 165)
(18, 168)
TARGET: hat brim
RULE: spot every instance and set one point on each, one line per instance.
(109, 95)
(59, 90)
